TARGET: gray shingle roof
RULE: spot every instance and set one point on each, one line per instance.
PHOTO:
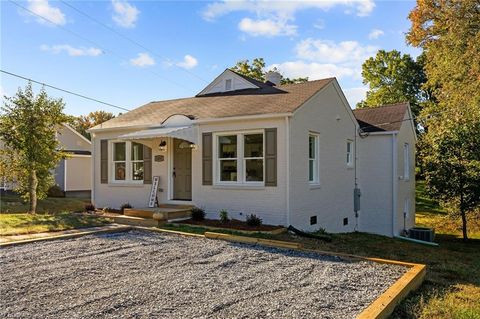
(382, 118)
(265, 100)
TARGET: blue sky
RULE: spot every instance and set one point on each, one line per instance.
(187, 44)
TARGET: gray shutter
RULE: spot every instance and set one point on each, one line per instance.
(207, 159)
(271, 157)
(104, 161)
(147, 165)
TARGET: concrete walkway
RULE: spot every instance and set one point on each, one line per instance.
(10, 238)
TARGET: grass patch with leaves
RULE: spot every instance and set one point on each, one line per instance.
(22, 223)
(11, 203)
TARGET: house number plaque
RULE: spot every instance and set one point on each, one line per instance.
(159, 158)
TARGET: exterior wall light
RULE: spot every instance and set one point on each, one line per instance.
(162, 146)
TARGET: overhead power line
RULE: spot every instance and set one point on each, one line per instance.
(64, 90)
(127, 38)
(119, 56)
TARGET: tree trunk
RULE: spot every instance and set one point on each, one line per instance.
(33, 183)
(464, 225)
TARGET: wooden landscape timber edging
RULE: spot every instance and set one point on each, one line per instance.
(100, 230)
(249, 232)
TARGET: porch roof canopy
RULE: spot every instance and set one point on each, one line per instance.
(188, 133)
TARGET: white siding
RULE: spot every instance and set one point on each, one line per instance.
(77, 170)
(405, 188)
(332, 200)
(71, 141)
(375, 176)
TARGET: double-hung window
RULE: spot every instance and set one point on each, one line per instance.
(313, 172)
(349, 153)
(137, 161)
(119, 161)
(227, 156)
(127, 161)
(240, 158)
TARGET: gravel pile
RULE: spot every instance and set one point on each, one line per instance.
(150, 275)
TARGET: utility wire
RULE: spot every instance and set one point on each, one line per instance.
(127, 38)
(64, 90)
(122, 58)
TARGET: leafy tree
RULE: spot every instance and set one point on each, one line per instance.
(28, 128)
(256, 70)
(392, 78)
(83, 122)
(449, 33)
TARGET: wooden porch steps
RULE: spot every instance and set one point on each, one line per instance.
(163, 213)
(136, 221)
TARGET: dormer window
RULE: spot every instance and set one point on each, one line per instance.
(228, 84)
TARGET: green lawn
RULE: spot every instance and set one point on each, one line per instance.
(13, 204)
(452, 285)
(53, 214)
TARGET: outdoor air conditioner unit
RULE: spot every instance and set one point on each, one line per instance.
(421, 233)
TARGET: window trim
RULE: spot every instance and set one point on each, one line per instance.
(406, 162)
(316, 166)
(128, 163)
(350, 154)
(241, 159)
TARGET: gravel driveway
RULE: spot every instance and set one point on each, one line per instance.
(151, 275)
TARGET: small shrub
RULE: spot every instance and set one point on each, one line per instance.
(89, 207)
(320, 231)
(125, 205)
(253, 220)
(224, 216)
(198, 213)
(55, 191)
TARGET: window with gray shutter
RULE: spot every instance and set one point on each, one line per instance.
(271, 157)
(207, 162)
(104, 161)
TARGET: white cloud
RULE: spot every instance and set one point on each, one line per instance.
(355, 95)
(267, 27)
(375, 34)
(125, 14)
(45, 10)
(319, 24)
(312, 70)
(189, 62)
(142, 60)
(283, 8)
(332, 52)
(72, 51)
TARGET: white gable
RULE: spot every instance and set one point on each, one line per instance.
(227, 81)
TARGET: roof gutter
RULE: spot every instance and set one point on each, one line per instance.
(199, 121)
(242, 117)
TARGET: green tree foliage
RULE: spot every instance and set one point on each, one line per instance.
(449, 33)
(83, 122)
(256, 70)
(392, 78)
(28, 126)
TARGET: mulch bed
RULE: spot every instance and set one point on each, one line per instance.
(233, 224)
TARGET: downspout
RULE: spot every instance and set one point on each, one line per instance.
(355, 175)
(287, 151)
(394, 183)
(93, 161)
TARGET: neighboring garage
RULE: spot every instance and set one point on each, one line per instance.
(150, 275)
